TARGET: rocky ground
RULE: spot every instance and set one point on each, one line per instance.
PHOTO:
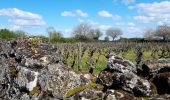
(35, 72)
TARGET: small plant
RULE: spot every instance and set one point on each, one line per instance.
(79, 88)
(34, 91)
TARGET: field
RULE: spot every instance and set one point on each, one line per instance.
(87, 57)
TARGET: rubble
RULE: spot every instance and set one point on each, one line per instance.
(159, 74)
(30, 71)
(121, 74)
(27, 71)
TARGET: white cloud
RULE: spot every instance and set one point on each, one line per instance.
(131, 7)
(153, 12)
(102, 27)
(98, 25)
(131, 24)
(77, 12)
(16, 13)
(80, 20)
(133, 29)
(67, 13)
(127, 2)
(116, 17)
(25, 22)
(104, 13)
(107, 14)
(67, 30)
(144, 19)
(19, 18)
(16, 27)
(92, 22)
(119, 23)
(81, 13)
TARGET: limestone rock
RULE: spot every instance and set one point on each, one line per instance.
(29, 71)
(118, 64)
(121, 74)
(159, 73)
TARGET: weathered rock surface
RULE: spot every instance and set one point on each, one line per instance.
(121, 74)
(159, 73)
(27, 71)
(35, 72)
(160, 97)
(95, 94)
(118, 64)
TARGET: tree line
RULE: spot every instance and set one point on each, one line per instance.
(85, 32)
(161, 32)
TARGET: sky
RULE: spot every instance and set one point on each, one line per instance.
(132, 16)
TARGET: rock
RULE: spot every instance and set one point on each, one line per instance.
(159, 73)
(118, 64)
(29, 72)
(160, 97)
(162, 82)
(157, 66)
(118, 95)
(88, 94)
(121, 74)
(96, 94)
(57, 80)
(25, 97)
(27, 78)
(126, 81)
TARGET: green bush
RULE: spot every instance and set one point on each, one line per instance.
(6, 34)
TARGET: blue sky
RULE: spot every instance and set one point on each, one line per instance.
(35, 16)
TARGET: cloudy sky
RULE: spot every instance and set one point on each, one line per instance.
(132, 16)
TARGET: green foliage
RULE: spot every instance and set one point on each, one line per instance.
(147, 55)
(6, 34)
(106, 39)
(55, 37)
(35, 40)
(79, 88)
(44, 39)
(34, 91)
(132, 39)
(20, 33)
(68, 40)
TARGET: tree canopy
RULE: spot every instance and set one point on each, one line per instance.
(114, 32)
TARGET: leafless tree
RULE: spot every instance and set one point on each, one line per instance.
(53, 35)
(163, 31)
(149, 34)
(85, 31)
(82, 31)
(95, 34)
(20, 33)
(50, 31)
(114, 32)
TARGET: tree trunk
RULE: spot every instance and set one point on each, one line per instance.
(113, 37)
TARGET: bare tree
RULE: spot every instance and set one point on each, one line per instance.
(20, 34)
(114, 32)
(163, 31)
(149, 34)
(95, 34)
(53, 35)
(50, 31)
(82, 31)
